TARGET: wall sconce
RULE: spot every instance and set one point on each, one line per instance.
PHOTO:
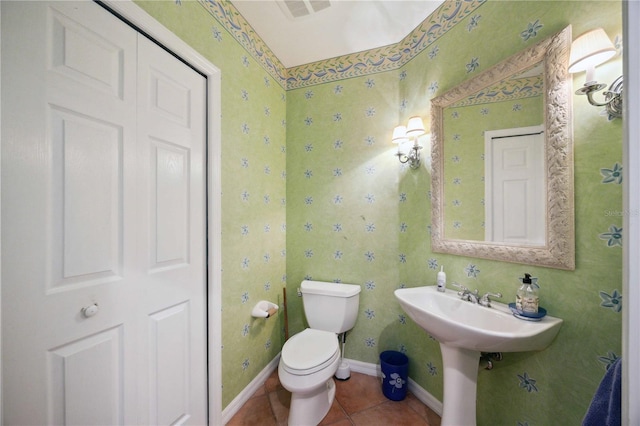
(587, 51)
(404, 134)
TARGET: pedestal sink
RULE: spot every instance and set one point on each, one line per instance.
(464, 330)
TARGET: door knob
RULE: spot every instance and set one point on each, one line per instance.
(90, 310)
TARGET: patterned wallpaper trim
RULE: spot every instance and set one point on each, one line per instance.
(347, 66)
(388, 57)
(506, 91)
(229, 17)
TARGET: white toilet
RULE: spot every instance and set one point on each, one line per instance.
(310, 358)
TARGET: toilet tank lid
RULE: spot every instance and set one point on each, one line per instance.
(329, 289)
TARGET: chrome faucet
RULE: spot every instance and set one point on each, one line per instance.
(470, 296)
(466, 294)
(474, 296)
(485, 299)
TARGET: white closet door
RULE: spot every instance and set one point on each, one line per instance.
(100, 213)
(171, 228)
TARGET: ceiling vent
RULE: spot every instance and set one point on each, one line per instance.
(295, 9)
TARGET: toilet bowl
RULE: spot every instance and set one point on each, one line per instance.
(307, 364)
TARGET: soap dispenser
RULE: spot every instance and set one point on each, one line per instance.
(442, 279)
(527, 298)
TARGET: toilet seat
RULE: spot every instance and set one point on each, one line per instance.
(309, 351)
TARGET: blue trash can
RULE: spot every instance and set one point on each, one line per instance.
(395, 373)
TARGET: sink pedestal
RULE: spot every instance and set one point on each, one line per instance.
(460, 385)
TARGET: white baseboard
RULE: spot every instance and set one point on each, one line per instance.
(246, 394)
(356, 366)
(364, 367)
(425, 397)
(418, 391)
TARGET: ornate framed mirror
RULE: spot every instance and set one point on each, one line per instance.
(478, 132)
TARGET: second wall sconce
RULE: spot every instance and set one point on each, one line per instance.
(587, 51)
(402, 135)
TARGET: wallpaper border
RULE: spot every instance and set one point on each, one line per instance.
(381, 59)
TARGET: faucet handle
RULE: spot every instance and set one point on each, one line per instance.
(463, 290)
(485, 300)
(460, 286)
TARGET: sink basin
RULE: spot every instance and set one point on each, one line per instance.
(464, 330)
(463, 324)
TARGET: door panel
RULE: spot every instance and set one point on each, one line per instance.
(170, 181)
(88, 169)
(92, 396)
(170, 363)
(86, 56)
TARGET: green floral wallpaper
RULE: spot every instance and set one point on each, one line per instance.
(312, 189)
(356, 215)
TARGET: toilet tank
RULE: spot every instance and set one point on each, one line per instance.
(330, 306)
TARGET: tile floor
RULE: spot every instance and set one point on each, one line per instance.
(359, 401)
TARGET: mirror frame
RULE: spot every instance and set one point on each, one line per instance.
(559, 251)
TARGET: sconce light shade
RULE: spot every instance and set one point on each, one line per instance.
(415, 127)
(399, 135)
(402, 134)
(589, 50)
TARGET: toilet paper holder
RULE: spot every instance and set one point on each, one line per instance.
(264, 309)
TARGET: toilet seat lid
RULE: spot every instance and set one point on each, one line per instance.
(309, 350)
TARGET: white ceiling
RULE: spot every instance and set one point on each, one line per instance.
(346, 26)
